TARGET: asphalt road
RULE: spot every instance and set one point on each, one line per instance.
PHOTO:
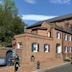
(64, 68)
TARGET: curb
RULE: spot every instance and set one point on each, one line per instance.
(42, 70)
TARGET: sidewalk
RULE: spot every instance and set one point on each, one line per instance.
(42, 70)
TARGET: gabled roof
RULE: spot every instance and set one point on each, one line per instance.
(35, 25)
(65, 17)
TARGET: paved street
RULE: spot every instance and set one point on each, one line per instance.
(64, 68)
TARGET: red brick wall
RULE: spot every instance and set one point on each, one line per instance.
(7, 69)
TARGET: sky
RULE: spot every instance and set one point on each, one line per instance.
(33, 11)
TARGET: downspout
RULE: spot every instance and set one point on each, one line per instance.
(62, 47)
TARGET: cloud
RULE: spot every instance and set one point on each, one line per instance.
(30, 1)
(61, 1)
(36, 17)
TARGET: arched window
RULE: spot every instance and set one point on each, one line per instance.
(46, 48)
(35, 47)
(9, 56)
(32, 58)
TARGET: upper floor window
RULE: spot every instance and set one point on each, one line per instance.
(46, 48)
(70, 38)
(58, 35)
(19, 45)
(49, 34)
(65, 37)
(35, 47)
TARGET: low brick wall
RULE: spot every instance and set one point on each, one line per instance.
(7, 69)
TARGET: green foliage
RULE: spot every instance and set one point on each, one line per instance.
(9, 26)
(8, 6)
(10, 23)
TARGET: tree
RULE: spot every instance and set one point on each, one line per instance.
(9, 26)
(8, 6)
(10, 23)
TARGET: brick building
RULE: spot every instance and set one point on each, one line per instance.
(45, 43)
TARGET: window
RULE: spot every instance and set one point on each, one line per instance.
(46, 48)
(49, 34)
(35, 47)
(58, 48)
(65, 49)
(65, 37)
(70, 49)
(70, 38)
(19, 45)
(58, 35)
